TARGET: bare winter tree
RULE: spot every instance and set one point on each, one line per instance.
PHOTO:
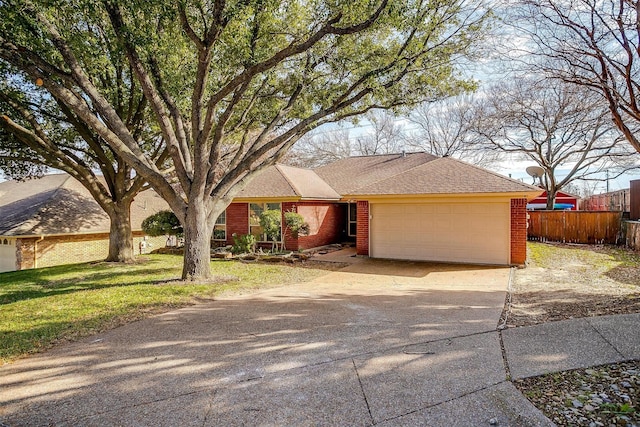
(447, 129)
(556, 126)
(593, 44)
(385, 136)
(319, 148)
(378, 133)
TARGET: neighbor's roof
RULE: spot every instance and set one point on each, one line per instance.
(288, 181)
(58, 204)
(348, 174)
(444, 175)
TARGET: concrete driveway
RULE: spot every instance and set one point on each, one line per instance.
(377, 343)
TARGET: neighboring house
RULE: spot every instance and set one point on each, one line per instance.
(54, 220)
(564, 201)
(402, 206)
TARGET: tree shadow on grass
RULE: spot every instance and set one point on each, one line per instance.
(36, 285)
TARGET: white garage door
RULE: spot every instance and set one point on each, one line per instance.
(449, 232)
(7, 255)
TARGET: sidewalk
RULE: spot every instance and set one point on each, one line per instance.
(571, 344)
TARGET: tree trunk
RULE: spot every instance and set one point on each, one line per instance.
(120, 235)
(197, 243)
(551, 199)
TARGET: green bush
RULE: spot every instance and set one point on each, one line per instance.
(245, 243)
(162, 223)
(296, 224)
(271, 223)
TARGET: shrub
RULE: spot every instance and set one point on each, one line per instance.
(296, 224)
(271, 223)
(161, 224)
(245, 243)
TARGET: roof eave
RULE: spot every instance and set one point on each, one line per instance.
(511, 194)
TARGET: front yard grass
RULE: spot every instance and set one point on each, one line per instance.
(42, 307)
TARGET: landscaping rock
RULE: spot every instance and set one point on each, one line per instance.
(222, 255)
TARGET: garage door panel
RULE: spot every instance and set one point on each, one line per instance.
(454, 232)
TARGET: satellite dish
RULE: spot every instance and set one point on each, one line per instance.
(535, 172)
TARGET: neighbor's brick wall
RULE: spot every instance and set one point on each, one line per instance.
(326, 223)
(73, 249)
(362, 238)
(518, 231)
(237, 220)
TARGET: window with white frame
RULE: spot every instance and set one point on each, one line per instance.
(351, 220)
(220, 227)
(255, 210)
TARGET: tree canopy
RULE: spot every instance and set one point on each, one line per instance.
(232, 85)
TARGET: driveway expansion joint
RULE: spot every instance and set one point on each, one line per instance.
(434, 405)
(622, 356)
(364, 394)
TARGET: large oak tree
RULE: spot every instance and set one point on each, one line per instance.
(234, 84)
(37, 133)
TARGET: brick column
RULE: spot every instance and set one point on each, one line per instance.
(362, 234)
(518, 231)
(237, 220)
(290, 242)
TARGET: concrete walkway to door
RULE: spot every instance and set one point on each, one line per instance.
(377, 343)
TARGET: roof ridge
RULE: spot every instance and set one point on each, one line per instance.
(399, 173)
(286, 178)
(406, 153)
(499, 175)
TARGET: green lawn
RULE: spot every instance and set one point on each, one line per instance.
(41, 307)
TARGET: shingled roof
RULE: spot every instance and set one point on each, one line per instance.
(58, 204)
(288, 181)
(348, 174)
(444, 176)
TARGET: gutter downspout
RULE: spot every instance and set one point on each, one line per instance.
(35, 251)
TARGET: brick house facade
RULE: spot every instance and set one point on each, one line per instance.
(326, 223)
(423, 208)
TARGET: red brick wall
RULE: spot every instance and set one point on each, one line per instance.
(290, 242)
(237, 220)
(362, 238)
(518, 231)
(326, 222)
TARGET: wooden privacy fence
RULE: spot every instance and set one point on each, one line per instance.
(575, 226)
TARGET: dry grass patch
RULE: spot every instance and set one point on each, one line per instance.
(570, 281)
